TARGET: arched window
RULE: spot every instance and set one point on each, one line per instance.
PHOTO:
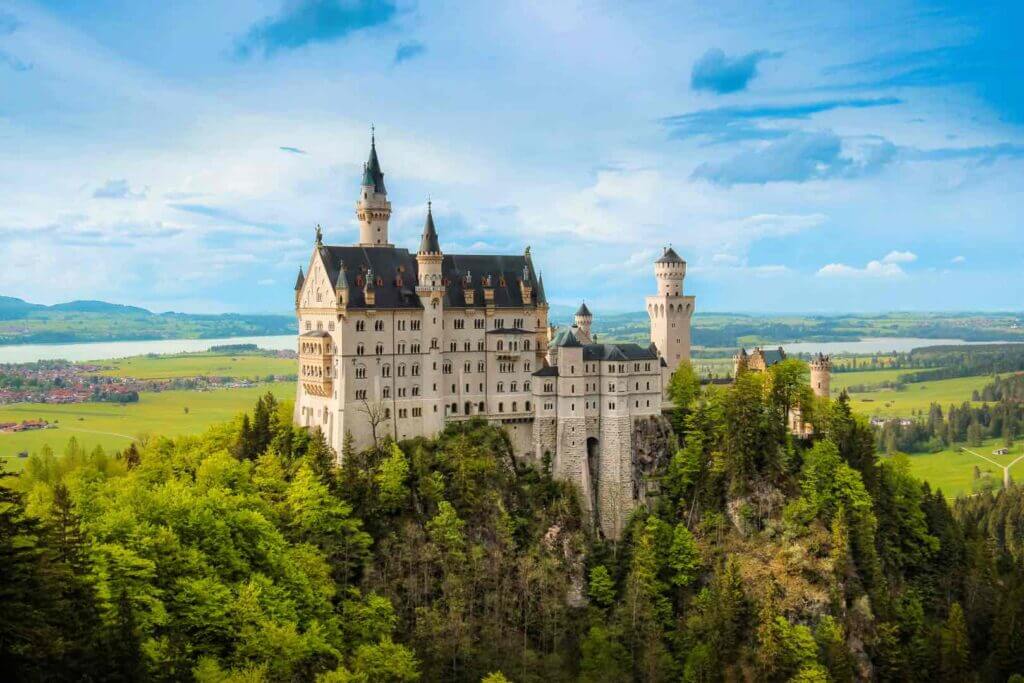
(380, 349)
(526, 344)
(401, 369)
(385, 370)
(501, 345)
(360, 325)
(514, 406)
(359, 349)
(415, 369)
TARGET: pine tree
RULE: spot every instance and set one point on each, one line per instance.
(954, 664)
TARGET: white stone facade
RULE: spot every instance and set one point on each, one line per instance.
(396, 344)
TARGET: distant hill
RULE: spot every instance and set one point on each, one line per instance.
(22, 322)
(98, 307)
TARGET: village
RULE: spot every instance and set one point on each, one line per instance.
(62, 382)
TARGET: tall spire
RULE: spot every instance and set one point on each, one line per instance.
(299, 281)
(429, 243)
(372, 175)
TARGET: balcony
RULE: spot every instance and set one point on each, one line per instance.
(316, 358)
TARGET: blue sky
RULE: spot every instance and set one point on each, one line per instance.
(819, 157)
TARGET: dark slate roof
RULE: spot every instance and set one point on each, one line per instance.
(568, 340)
(429, 243)
(508, 330)
(549, 371)
(454, 269)
(389, 263)
(614, 352)
(773, 356)
(670, 256)
(541, 297)
(300, 280)
(583, 310)
(372, 174)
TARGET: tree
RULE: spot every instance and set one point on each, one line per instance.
(954, 654)
(684, 556)
(386, 662)
(376, 415)
(132, 459)
(391, 478)
(603, 657)
(601, 588)
(683, 387)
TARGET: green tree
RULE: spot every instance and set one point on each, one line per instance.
(601, 588)
(603, 657)
(954, 656)
(392, 477)
(684, 556)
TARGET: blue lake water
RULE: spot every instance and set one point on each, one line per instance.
(27, 353)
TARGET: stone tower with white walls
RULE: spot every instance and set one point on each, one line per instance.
(373, 208)
(821, 375)
(670, 311)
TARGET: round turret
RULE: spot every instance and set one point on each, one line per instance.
(582, 320)
(669, 271)
(821, 375)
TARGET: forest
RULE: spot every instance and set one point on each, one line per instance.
(244, 554)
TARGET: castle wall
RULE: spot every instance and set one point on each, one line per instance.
(615, 484)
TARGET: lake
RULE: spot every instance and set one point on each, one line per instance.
(27, 353)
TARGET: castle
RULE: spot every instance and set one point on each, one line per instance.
(398, 344)
(760, 360)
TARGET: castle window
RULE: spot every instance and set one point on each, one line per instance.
(549, 386)
(467, 367)
(526, 345)
(479, 324)
(466, 346)
(481, 387)
(526, 386)
(499, 323)
(360, 325)
(319, 324)
(480, 345)
(401, 369)
(415, 369)
(433, 343)
(514, 406)
(414, 325)
(360, 394)
(359, 349)
(417, 412)
(453, 388)
(526, 366)
(527, 405)
(378, 325)
(513, 386)
(401, 325)
(415, 390)
(453, 347)
(501, 407)
(361, 372)
(648, 403)
(385, 370)
(330, 326)
(401, 347)
(517, 323)
(386, 392)
(414, 348)
(501, 386)
(460, 324)
(480, 366)
(648, 386)
(447, 368)
(380, 349)
(501, 345)
(455, 409)
(467, 407)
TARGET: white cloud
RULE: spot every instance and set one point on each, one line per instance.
(266, 282)
(900, 257)
(874, 269)
(958, 259)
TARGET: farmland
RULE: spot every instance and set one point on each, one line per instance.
(238, 365)
(114, 426)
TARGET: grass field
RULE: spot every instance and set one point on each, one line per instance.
(952, 470)
(194, 364)
(915, 397)
(114, 426)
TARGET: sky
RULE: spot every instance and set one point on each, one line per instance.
(802, 157)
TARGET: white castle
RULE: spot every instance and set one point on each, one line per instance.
(397, 344)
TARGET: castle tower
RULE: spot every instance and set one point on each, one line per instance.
(670, 311)
(373, 208)
(821, 375)
(430, 289)
(299, 281)
(582, 320)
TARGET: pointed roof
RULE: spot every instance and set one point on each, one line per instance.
(568, 340)
(670, 256)
(429, 243)
(372, 174)
(541, 299)
(300, 280)
(583, 310)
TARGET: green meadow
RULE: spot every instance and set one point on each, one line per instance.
(952, 470)
(913, 398)
(241, 365)
(114, 426)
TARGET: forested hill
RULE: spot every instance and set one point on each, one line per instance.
(91, 321)
(243, 555)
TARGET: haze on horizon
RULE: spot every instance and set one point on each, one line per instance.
(818, 159)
